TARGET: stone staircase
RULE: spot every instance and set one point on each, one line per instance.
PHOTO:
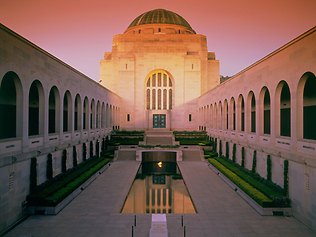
(153, 137)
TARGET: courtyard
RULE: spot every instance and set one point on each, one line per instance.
(220, 211)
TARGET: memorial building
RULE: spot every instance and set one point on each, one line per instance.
(159, 76)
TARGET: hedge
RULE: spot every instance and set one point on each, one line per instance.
(192, 137)
(62, 193)
(124, 132)
(52, 192)
(273, 191)
(254, 193)
(126, 137)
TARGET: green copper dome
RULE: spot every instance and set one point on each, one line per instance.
(160, 16)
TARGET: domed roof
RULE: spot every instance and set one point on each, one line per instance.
(160, 16)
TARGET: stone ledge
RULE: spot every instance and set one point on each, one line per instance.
(48, 210)
(264, 211)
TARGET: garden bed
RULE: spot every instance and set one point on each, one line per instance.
(52, 196)
(126, 137)
(192, 137)
(264, 194)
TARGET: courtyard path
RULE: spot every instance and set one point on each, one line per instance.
(221, 212)
(95, 212)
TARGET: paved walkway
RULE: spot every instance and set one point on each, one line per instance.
(221, 212)
(95, 212)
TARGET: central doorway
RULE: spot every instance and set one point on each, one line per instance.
(159, 121)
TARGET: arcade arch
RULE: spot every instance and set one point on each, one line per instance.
(67, 112)
(53, 110)
(307, 105)
(36, 109)
(10, 106)
(283, 109)
(78, 113)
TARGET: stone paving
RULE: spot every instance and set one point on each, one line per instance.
(221, 212)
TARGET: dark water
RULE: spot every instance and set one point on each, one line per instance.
(158, 188)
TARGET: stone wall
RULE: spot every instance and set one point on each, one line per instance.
(55, 108)
(266, 108)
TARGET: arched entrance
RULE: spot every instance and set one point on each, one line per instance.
(159, 99)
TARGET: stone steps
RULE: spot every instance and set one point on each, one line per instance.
(153, 137)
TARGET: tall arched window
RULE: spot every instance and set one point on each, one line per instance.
(241, 113)
(211, 116)
(98, 115)
(92, 115)
(158, 91)
(107, 111)
(225, 114)
(265, 126)
(148, 96)
(220, 115)
(103, 116)
(78, 112)
(86, 113)
(36, 106)
(251, 114)
(309, 107)
(215, 116)
(233, 113)
(285, 109)
(53, 110)
(10, 106)
(110, 116)
(67, 112)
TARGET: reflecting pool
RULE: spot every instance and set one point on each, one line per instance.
(158, 188)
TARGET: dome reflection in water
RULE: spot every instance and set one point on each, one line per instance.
(158, 188)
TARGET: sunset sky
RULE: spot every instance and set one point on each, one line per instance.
(78, 32)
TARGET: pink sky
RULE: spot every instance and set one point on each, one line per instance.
(78, 32)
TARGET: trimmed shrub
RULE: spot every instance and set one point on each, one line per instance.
(74, 157)
(125, 138)
(253, 192)
(273, 191)
(192, 137)
(52, 192)
(49, 167)
(64, 161)
(254, 162)
(227, 150)
(234, 153)
(103, 147)
(97, 149)
(107, 141)
(91, 149)
(269, 168)
(84, 152)
(243, 157)
(33, 175)
(286, 178)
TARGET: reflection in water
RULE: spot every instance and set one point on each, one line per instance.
(158, 188)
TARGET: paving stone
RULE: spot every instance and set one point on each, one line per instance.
(221, 212)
